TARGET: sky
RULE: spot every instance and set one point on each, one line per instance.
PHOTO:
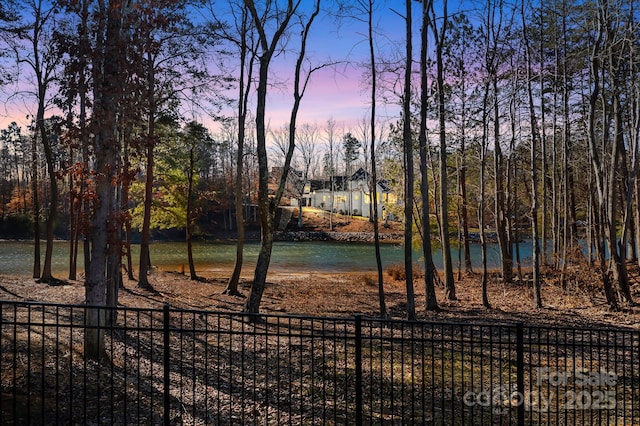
(343, 92)
(340, 92)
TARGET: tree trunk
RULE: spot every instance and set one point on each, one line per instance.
(566, 134)
(407, 139)
(535, 137)
(464, 212)
(124, 206)
(232, 285)
(252, 305)
(501, 212)
(74, 220)
(429, 275)
(603, 227)
(266, 206)
(192, 267)
(450, 290)
(47, 276)
(483, 184)
(81, 208)
(145, 259)
(374, 176)
(114, 258)
(107, 76)
(619, 262)
(35, 208)
(74, 234)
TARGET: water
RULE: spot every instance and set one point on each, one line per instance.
(316, 256)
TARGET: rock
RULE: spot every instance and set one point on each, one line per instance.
(359, 237)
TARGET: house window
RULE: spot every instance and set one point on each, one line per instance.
(356, 197)
(341, 198)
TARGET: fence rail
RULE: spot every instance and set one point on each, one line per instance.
(169, 366)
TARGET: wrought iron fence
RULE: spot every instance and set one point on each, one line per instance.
(170, 366)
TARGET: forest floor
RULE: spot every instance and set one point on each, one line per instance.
(580, 302)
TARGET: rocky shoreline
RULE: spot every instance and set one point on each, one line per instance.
(353, 237)
(345, 237)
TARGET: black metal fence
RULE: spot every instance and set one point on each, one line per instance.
(171, 366)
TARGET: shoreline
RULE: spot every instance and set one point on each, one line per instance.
(347, 237)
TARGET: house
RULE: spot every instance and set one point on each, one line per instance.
(350, 195)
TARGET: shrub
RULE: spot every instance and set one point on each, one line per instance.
(369, 280)
(398, 273)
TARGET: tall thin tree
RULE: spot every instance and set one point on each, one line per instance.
(439, 35)
(535, 141)
(429, 276)
(407, 144)
(267, 206)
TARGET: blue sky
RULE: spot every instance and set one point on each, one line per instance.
(340, 92)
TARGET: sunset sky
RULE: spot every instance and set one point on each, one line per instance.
(339, 92)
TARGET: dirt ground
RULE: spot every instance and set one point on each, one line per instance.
(581, 303)
(319, 220)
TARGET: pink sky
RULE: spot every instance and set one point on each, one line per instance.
(337, 93)
(13, 112)
(329, 95)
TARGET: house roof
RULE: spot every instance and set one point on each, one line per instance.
(384, 185)
(340, 182)
(360, 174)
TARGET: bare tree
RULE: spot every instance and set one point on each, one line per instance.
(535, 140)
(32, 49)
(494, 30)
(439, 35)
(306, 146)
(462, 62)
(331, 135)
(364, 11)
(489, 68)
(74, 82)
(281, 21)
(430, 271)
(369, 7)
(604, 112)
(407, 140)
(241, 35)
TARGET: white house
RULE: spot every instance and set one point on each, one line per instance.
(350, 195)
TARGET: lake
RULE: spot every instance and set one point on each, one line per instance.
(16, 257)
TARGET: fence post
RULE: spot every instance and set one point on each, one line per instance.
(358, 362)
(520, 371)
(167, 369)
